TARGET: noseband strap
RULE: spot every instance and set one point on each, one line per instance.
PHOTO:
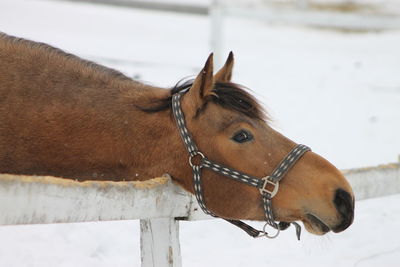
(268, 185)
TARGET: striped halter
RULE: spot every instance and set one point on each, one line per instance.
(262, 184)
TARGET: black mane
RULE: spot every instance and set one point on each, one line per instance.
(228, 95)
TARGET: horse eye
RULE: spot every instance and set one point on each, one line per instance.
(242, 136)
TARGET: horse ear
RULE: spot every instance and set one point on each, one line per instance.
(225, 73)
(202, 85)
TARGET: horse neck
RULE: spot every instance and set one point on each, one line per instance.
(155, 144)
(86, 116)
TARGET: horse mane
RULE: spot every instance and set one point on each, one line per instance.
(86, 67)
(228, 95)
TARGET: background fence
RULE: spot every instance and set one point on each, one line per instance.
(343, 15)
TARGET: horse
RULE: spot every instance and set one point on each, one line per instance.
(64, 116)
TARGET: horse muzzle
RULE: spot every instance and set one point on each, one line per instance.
(344, 204)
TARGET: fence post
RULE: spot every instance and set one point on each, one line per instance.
(302, 4)
(159, 242)
(216, 31)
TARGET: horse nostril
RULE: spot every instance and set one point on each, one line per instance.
(345, 205)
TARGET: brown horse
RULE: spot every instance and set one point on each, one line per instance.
(67, 117)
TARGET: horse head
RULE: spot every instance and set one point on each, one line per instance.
(230, 127)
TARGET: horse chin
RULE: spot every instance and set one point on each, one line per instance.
(315, 225)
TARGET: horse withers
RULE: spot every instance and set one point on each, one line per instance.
(64, 116)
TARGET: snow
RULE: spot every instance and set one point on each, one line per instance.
(336, 92)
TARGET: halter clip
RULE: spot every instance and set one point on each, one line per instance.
(264, 233)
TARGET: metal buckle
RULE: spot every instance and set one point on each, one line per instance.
(264, 189)
(194, 154)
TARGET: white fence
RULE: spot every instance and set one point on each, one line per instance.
(301, 12)
(158, 203)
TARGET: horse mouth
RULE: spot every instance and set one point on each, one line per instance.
(315, 225)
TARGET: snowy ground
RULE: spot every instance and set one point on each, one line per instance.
(337, 92)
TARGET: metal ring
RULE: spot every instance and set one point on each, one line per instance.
(271, 236)
(192, 155)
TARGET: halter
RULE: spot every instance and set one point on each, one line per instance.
(260, 183)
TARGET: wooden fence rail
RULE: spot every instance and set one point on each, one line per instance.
(158, 203)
